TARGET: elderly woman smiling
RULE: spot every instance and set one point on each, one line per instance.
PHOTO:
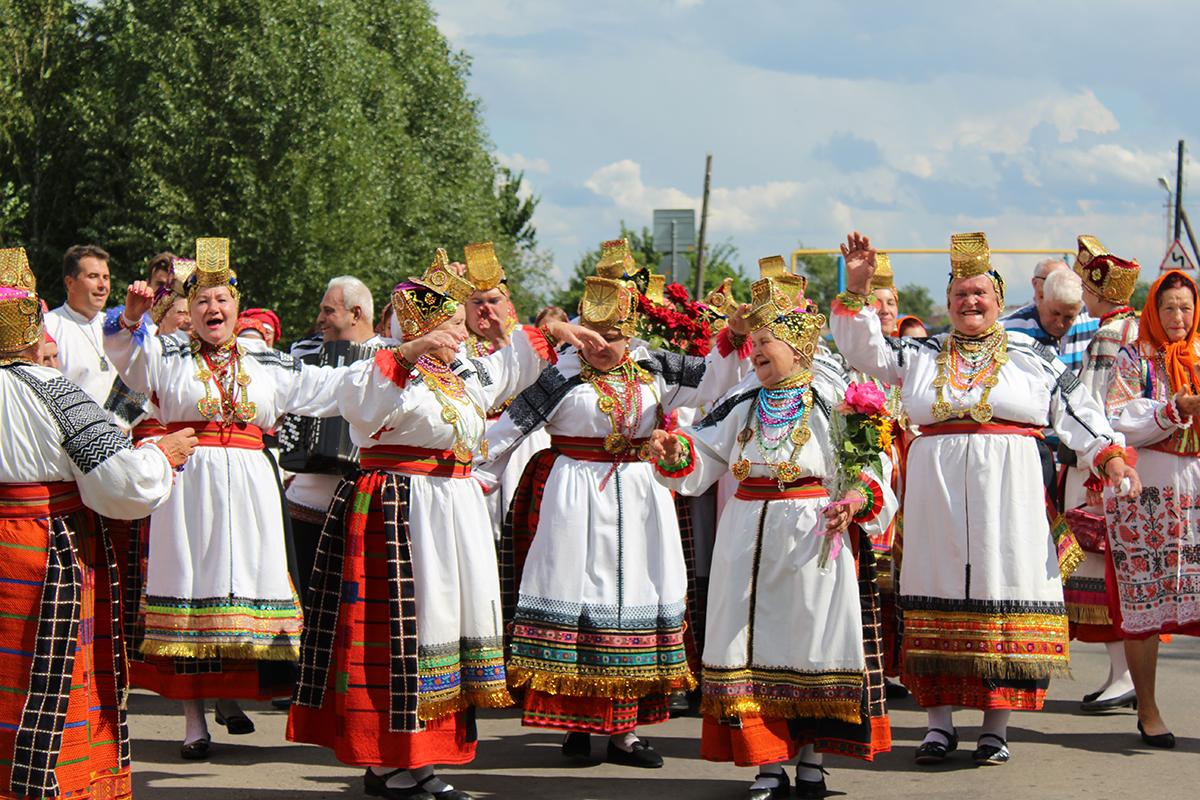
(985, 623)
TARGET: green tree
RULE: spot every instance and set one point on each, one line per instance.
(1140, 292)
(821, 269)
(916, 300)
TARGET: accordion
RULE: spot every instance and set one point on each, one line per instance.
(323, 446)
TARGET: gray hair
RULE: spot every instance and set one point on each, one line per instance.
(354, 293)
(1043, 267)
(1063, 286)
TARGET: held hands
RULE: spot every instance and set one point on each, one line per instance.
(412, 350)
(738, 322)
(178, 446)
(860, 263)
(664, 447)
(138, 299)
(1116, 470)
(838, 517)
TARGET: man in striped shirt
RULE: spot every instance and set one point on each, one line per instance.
(1056, 318)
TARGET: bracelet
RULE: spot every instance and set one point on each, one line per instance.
(129, 326)
(852, 300)
(177, 466)
(738, 340)
(401, 361)
(551, 339)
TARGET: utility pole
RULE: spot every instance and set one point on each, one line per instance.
(699, 295)
(1179, 192)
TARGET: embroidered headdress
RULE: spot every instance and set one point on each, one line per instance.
(777, 302)
(971, 256)
(181, 269)
(1114, 279)
(884, 277)
(609, 303)
(484, 270)
(212, 268)
(421, 304)
(20, 310)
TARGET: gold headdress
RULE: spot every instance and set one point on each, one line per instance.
(609, 303)
(421, 304)
(1113, 278)
(720, 304)
(212, 267)
(656, 289)
(616, 260)
(181, 270)
(776, 269)
(20, 308)
(786, 315)
(883, 278)
(971, 256)
(483, 268)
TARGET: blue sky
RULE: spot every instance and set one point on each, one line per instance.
(1032, 121)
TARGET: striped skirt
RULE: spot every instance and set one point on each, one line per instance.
(62, 703)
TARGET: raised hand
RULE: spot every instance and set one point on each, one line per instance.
(860, 263)
(738, 322)
(582, 339)
(178, 446)
(138, 299)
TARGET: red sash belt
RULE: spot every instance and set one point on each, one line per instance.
(592, 448)
(768, 489)
(998, 428)
(218, 434)
(414, 461)
(38, 500)
(147, 428)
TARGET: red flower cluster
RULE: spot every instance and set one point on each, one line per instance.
(678, 325)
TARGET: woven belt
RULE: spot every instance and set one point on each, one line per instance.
(768, 489)
(147, 428)
(38, 500)
(414, 461)
(999, 428)
(612, 449)
(217, 434)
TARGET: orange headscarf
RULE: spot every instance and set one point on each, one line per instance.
(1179, 357)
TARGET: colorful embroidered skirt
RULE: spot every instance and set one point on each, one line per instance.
(390, 670)
(62, 711)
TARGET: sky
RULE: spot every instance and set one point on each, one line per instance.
(1031, 121)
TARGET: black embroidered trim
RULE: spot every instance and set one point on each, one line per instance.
(485, 376)
(725, 408)
(974, 606)
(534, 406)
(88, 437)
(676, 369)
(274, 358)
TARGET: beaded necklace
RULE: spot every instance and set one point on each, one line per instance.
(964, 363)
(222, 365)
(620, 398)
(780, 415)
(448, 387)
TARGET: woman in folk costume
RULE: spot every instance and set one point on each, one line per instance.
(406, 563)
(1154, 399)
(597, 631)
(1108, 283)
(222, 617)
(492, 324)
(785, 662)
(62, 464)
(981, 591)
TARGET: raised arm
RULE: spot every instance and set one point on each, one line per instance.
(135, 354)
(855, 323)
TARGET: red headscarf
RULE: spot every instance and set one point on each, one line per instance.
(1179, 357)
(259, 318)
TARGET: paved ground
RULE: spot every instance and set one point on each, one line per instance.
(1057, 753)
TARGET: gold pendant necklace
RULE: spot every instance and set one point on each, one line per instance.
(995, 342)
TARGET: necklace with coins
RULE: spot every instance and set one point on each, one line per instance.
(619, 397)
(964, 363)
(450, 391)
(781, 416)
(223, 366)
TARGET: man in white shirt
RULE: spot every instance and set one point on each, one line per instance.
(78, 324)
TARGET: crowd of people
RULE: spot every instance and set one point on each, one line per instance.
(398, 523)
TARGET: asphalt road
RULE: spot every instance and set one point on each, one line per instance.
(1057, 753)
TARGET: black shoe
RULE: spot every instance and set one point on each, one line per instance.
(194, 751)
(677, 704)
(1091, 696)
(1164, 740)
(237, 724)
(989, 755)
(376, 786)
(282, 703)
(445, 794)
(1127, 700)
(642, 755)
(935, 752)
(781, 788)
(811, 789)
(894, 690)
(577, 746)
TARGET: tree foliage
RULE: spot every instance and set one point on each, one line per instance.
(322, 136)
(916, 300)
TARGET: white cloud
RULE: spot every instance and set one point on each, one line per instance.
(521, 163)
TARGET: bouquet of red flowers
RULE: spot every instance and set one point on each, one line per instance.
(679, 324)
(861, 431)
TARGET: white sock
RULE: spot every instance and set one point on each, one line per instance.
(195, 726)
(625, 741)
(432, 783)
(939, 717)
(995, 722)
(774, 777)
(1119, 679)
(401, 780)
(809, 755)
